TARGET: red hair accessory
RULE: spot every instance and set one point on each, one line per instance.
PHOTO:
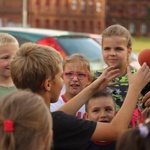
(8, 126)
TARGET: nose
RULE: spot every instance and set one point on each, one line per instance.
(102, 114)
(75, 77)
(112, 52)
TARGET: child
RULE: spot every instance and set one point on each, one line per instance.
(136, 139)
(116, 49)
(76, 76)
(39, 68)
(100, 107)
(8, 46)
(25, 122)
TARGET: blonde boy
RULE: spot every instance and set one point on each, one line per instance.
(39, 68)
(8, 46)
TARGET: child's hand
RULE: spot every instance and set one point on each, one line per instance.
(139, 79)
(104, 80)
(146, 102)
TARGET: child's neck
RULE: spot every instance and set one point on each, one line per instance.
(122, 71)
(6, 82)
(68, 96)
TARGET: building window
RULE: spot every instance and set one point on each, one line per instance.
(74, 4)
(143, 10)
(66, 4)
(108, 10)
(143, 29)
(57, 3)
(133, 10)
(74, 24)
(132, 28)
(91, 26)
(82, 5)
(37, 23)
(47, 24)
(120, 10)
(98, 7)
(83, 25)
(66, 25)
(37, 2)
(56, 24)
(98, 25)
(47, 2)
(90, 2)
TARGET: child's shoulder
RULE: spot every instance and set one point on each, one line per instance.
(98, 73)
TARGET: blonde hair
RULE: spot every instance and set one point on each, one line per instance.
(31, 118)
(7, 39)
(32, 64)
(79, 58)
(118, 30)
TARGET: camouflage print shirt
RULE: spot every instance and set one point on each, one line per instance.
(119, 90)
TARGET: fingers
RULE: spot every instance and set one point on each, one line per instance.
(147, 103)
(146, 97)
(140, 78)
(111, 73)
(112, 83)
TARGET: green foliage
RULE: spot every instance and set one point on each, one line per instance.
(140, 43)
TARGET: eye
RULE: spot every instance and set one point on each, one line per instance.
(69, 74)
(95, 110)
(119, 49)
(81, 75)
(109, 109)
(6, 57)
(106, 48)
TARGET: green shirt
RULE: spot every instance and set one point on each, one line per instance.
(6, 90)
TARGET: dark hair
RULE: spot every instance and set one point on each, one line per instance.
(104, 93)
(135, 139)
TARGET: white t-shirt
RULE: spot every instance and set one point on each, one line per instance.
(61, 101)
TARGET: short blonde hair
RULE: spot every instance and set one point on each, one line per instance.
(32, 121)
(7, 39)
(32, 64)
(79, 58)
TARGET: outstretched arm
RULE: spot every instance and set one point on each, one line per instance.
(73, 105)
(111, 131)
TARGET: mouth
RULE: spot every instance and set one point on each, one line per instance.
(112, 60)
(104, 121)
(74, 85)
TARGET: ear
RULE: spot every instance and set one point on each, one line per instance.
(47, 84)
(85, 116)
(129, 51)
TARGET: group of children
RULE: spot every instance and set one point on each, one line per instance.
(38, 69)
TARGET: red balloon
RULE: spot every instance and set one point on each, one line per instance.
(144, 56)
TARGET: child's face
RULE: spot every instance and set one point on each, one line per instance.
(6, 53)
(115, 51)
(101, 109)
(74, 85)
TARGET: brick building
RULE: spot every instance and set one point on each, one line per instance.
(133, 14)
(72, 15)
(79, 15)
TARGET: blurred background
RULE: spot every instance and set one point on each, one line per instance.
(83, 16)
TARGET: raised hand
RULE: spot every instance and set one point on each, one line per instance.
(104, 80)
(140, 78)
